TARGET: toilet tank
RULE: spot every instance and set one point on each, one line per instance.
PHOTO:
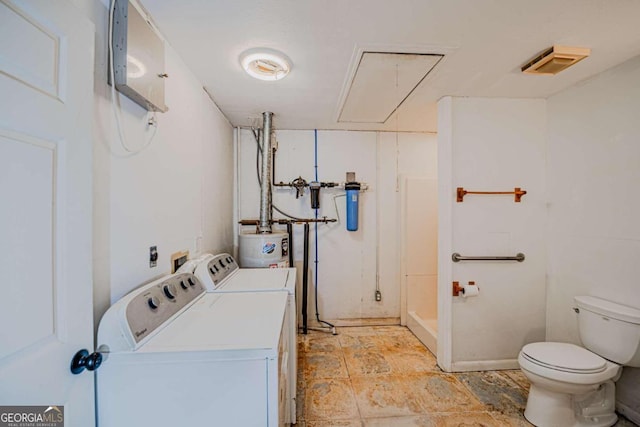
(609, 329)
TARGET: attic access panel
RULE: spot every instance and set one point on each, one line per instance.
(382, 82)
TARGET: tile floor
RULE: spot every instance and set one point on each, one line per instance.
(382, 376)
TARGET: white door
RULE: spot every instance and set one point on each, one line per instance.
(46, 103)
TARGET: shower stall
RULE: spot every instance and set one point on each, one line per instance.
(419, 258)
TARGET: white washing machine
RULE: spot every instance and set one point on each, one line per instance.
(178, 356)
(221, 274)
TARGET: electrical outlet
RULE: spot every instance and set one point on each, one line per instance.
(177, 259)
(378, 296)
(153, 256)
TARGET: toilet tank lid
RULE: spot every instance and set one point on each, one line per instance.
(609, 309)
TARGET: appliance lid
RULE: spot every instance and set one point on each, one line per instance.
(257, 279)
(609, 309)
(240, 322)
(564, 357)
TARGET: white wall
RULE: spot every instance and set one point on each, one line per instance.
(176, 194)
(594, 172)
(492, 145)
(594, 211)
(401, 156)
(348, 261)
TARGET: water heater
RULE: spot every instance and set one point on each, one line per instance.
(264, 250)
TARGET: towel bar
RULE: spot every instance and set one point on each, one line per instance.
(517, 192)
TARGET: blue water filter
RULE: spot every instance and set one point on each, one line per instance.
(353, 197)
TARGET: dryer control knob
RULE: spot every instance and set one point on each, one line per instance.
(183, 285)
(191, 282)
(170, 291)
(153, 303)
(221, 263)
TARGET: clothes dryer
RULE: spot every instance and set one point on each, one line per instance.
(221, 274)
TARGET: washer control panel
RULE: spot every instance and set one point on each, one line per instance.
(221, 266)
(159, 301)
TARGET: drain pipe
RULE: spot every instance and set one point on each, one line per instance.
(265, 190)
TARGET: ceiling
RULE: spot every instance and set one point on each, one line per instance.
(484, 42)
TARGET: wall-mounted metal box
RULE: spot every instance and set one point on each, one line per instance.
(138, 58)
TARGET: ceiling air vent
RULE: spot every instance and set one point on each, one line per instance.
(555, 59)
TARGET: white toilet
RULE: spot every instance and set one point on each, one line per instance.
(574, 386)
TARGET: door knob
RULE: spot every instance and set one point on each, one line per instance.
(83, 360)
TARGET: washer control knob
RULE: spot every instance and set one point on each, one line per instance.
(212, 270)
(183, 285)
(170, 291)
(221, 263)
(153, 302)
(192, 282)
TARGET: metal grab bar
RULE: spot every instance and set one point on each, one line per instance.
(456, 257)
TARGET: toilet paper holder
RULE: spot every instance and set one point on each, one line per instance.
(457, 289)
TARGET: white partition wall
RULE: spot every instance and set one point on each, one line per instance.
(491, 145)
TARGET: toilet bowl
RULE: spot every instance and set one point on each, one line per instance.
(572, 386)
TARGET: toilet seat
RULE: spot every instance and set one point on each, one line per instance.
(564, 357)
(547, 361)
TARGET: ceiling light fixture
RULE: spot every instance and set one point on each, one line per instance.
(265, 64)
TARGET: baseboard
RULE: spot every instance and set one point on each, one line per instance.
(629, 413)
(377, 321)
(485, 365)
